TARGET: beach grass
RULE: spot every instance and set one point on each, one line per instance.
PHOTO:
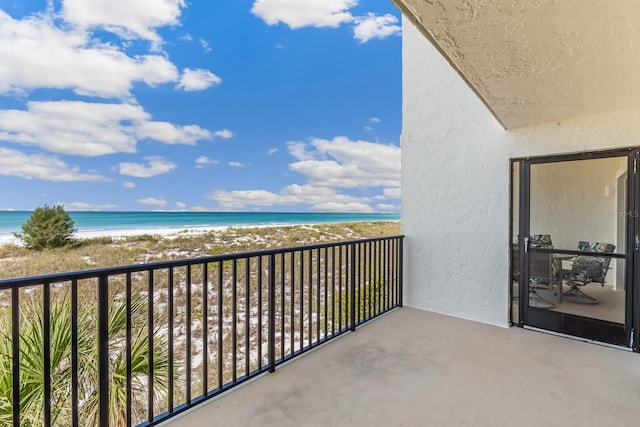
(106, 251)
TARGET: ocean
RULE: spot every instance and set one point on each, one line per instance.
(88, 222)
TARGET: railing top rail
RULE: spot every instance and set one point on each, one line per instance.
(135, 268)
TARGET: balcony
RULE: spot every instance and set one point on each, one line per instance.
(132, 346)
(415, 368)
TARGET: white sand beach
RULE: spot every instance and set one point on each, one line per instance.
(166, 232)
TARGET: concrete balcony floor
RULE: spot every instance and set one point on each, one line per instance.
(415, 368)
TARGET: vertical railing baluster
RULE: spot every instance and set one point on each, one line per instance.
(220, 267)
(103, 351)
(318, 295)
(189, 377)
(381, 278)
(397, 271)
(272, 316)
(260, 313)
(372, 280)
(301, 300)
(46, 352)
(359, 284)
(392, 273)
(340, 274)
(128, 347)
(310, 304)
(282, 305)
(247, 316)
(378, 278)
(326, 291)
(292, 317)
(333, 290)
(75, 422)
(15, 346)
(234, 320)
(150, 355)
(170, 327)
(205, 329)
(400, 271)
(352, 279)
(362, 270)
(387, 272)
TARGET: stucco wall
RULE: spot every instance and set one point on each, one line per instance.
(455, 183)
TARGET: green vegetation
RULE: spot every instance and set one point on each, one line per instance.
(371, 297)
(48, 228)
(31, 357)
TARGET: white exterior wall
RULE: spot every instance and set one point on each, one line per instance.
(455, 183)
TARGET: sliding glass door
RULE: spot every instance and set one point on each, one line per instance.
(576, 244)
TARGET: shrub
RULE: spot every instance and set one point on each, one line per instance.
(48, 228)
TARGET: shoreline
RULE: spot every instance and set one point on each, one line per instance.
(166, 232)
(122, 233)
(130, 246)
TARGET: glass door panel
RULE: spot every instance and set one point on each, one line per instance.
(579, 229)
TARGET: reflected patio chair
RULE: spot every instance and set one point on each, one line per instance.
(540, 271)
(587, 269)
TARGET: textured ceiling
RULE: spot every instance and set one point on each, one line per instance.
(535, 61)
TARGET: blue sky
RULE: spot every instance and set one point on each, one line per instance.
(200, 105)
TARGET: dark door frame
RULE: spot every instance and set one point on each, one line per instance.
(623, 335)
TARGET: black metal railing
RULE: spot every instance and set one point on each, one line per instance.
(137, 345)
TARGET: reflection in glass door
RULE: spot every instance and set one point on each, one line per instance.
(575, 261)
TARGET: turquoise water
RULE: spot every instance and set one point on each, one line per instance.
(11, 221)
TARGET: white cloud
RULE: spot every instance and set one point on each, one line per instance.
(204, 160)
(170, 133)
(299, 150)
(201, 209)
(205, 45)
(180, 205)
(388, 208)
(224, 134)
(155, 166)
(351, 164)
(193, 80)
(36, 54)
(128, 184)
(291, 195)
(236, 164)
(126, 18)
(90, 129)
(328, 165)
(38, 166)
(272, 151)
(392, 193)
(326, 13)
(375, 26)
(375, 120)
(152, 201)
(82, 206)
(342, 207)
(303, 13)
